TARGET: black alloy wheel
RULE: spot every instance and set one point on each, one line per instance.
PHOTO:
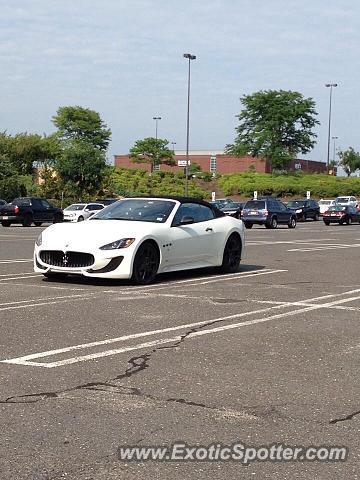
(232, 255)
(292, 223)
(146, 264)
(273, 223)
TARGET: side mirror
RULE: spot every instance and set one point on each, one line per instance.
(187, 220)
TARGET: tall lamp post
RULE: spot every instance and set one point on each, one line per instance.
(329, 85)
(334, 140)
(173, 146)
(156, 125)
(190, 57)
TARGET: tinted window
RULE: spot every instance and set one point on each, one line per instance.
(255, 205)
(95, 207)
(282, 207)
(21, 201)
(45, 204)
(200, 213)
(296, 204)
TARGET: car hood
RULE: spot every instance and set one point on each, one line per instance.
(95, 233)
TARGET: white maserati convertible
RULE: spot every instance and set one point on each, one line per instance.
(140, 237)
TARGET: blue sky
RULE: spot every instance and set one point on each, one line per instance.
(124, 59)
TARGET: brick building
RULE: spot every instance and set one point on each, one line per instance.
(218, 162)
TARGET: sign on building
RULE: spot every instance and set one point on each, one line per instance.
(182, 163)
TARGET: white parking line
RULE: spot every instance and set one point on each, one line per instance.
(27, 359)
(325, 247)
(19, 260)
(10, 277)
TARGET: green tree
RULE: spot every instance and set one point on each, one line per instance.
(153, 151)
(25, 150)
(83, 166)
(275, 125)
(83, 140)
(349, 161)
(79, 123)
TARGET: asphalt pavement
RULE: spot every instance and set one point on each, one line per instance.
(268, 355)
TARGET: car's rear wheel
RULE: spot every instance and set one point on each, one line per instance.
(27, 221)
(57, 219)
(292, 223)
(327, 223)
(248, 225)
(316, 217)
(232, 254)
(5, 224)
(273, 223)
(146, 264)
(37, 224)
(349, 221)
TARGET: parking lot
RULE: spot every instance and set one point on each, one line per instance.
(267, 355)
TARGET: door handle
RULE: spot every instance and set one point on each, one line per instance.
(209, 229)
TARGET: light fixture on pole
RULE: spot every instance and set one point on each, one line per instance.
(329, 85)
(173, 146)
(334, 139)
(156, 126)
(190, 57)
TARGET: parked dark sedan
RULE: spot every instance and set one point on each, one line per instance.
(305, 209)
(229, 207)
(342, 214)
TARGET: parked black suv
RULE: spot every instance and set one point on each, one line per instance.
(305, 209)
(28, 210)
(267, 211)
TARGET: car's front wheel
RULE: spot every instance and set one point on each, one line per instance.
(292, 223)
(5, 224)
(327, 223)
(232, 254)
(248, 225)
(146, 264)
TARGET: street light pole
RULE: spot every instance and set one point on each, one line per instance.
(190, 57)
(334, 138)
(156, 126)
(329, 85)
(173, 146)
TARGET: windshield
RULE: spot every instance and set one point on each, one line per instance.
(137, 210)
(343, 199)
(325, 202)
(337, 208)
(296, 203)
(255, 204)
(76, 206)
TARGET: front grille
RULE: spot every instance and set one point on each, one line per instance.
(58, 258)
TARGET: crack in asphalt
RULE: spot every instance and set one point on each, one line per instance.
(343, 419)
(136, 365)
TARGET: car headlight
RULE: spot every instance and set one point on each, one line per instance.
(39, 240)
(123, 243)
(299, 210)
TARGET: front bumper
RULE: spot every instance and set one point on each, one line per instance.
(106, 264)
